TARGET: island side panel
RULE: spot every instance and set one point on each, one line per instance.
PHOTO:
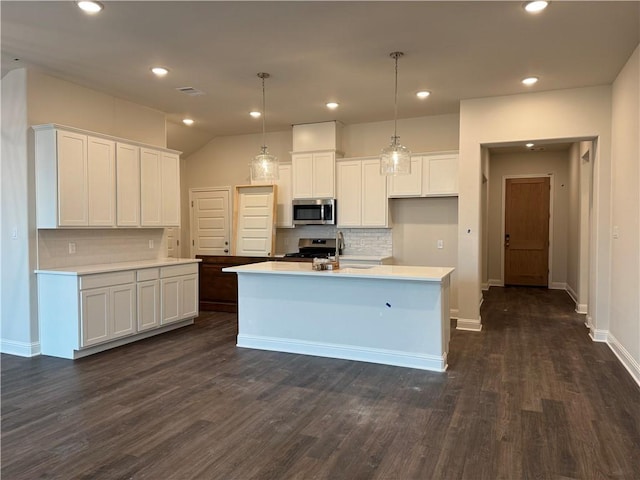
(390, 321)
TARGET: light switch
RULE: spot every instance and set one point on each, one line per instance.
(616, 232)
(440, 244)
(72, 248)
(14, 233)
(150, 243)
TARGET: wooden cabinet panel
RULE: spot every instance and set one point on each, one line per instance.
(73, 209)
(375, 205)
(123, 310)
(148, 305)
(349, 193)
(302, 164)
(101, 184)
(170, 189)
(407, 185)
(324, 174)
(127, 185)
(95, 305)
(150, 188)
(361, 194)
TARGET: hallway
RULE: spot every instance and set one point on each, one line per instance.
(531, 396)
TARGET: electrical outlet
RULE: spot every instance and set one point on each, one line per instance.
(150, 243)
(14, 233)
(440, 244)
(72, 248)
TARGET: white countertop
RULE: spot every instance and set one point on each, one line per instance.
(365, 258)
(385, 272)
(114, 267)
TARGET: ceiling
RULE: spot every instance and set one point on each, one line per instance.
(316, 52)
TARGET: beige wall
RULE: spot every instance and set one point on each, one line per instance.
(624, 328)
(539, 164)
(418, 224)
(570, 114)
(573, 226)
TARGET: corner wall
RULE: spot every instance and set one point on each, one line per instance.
(556, 115)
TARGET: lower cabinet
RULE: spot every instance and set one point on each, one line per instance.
(83, 314)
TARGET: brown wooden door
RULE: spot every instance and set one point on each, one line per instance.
(526, 222)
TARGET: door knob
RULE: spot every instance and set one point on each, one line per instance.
(226, 250)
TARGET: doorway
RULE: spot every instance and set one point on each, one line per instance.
(526, 226)
(210, 221)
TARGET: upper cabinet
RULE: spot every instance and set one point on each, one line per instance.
(93, 180)
(361, 194)
(432, 175)
(313, 174)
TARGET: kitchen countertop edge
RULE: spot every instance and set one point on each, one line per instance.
(116, 267)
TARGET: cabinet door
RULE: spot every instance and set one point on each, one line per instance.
(150, 188)
(95, 306)
(127, 185)
(407, 185)
(349, 193)
(189, 296)
(324, 175)
(284, 218)
(148, 305)
(375, 205)
(72, 179)
(170, 190)
(302, 169)
(101, 173)
(123, 310)
(170, 300)
(440, 174)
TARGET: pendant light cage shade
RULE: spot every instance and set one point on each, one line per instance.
(264, 167)
(395, 159)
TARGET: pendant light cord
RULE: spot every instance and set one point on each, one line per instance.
(395, 101)
(264, 115)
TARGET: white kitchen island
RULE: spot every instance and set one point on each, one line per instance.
(389, 314)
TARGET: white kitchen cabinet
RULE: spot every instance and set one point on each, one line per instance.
(127, 185)
(313, 174)
(148, 290)
(83, 313)
(109, 310)
(159, 188)
(179, 293)
(361, 194)
(432, 175)
(75, 179)
(284, 212)
(440, 174)
(407, 185)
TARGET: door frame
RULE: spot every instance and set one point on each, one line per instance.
(191, 223)
(551, 176)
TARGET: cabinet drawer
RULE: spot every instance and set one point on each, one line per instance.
(106, 279)
(176, 270)
(148, 274)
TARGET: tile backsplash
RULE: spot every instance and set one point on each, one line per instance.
(358, 241)
(99, 246)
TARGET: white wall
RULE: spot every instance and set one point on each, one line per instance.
(573, 226)
(624, 327)
(18, 326)
(29, 98)
(539, 164)
(570, 114)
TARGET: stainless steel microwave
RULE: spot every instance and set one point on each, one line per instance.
(314, 211)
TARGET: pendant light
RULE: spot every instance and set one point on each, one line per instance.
(395, 159)
(264, 166)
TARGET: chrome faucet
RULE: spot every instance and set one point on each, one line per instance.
(339, 243)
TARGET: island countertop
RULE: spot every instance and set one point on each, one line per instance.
(385, 272)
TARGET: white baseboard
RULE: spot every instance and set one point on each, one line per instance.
(558, 286)
(598, 335)
(484, 286)
(21, 349)
(572, 293)
(470, 324)
(496, 282)
(453, 313)
(582, 308)
(346, 352)
(632, 366)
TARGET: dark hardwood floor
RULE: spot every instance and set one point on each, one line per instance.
(531, 396)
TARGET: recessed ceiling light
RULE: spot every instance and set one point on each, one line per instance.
(255, 114)
(530, 81)
(187, 121)
(160, 71)
(529, 145)
(333, 105)
(90, 7)
(423, 94)
(535, 6)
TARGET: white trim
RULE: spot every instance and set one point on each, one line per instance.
(581, 308)
(496, 282)
(551, 195)
(598, 335)
(558, 286)
(190, 206)
(469, 324)
(572, 293)
(21, 349)
(632, 366)
(453, 313)
(588, 322)
(484, 286)
(346, 352)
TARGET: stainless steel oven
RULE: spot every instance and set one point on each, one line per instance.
(316, 211)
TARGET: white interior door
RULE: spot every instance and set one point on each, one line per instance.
(210, 226)
(255, 218)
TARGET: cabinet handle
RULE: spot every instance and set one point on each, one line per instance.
(226, 250)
